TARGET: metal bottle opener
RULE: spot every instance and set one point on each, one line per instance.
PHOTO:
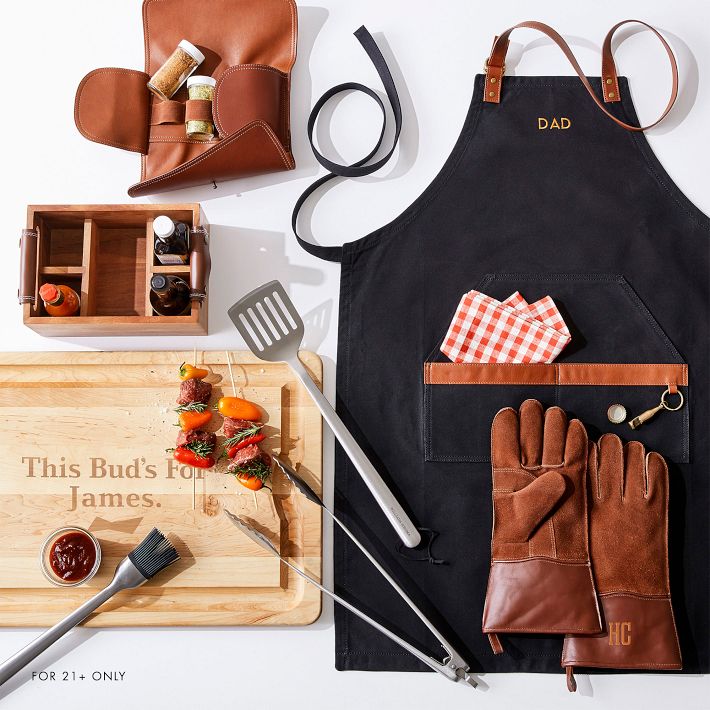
(642, 418)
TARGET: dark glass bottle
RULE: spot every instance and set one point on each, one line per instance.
(171, 240)
(169, 295)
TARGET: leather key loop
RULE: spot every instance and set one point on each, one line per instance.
(495, 68)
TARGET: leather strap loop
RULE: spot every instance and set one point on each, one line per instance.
(198, 110)
(363, 166)
(167, 112)
(495, 68)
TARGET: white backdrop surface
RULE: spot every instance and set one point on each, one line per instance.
(437, 47)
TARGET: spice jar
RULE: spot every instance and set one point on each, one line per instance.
(200, 88)
(177, 67)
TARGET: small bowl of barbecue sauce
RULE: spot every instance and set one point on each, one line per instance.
(70, 556)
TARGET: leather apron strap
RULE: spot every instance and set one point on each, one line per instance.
(495, 68)
(363, 166)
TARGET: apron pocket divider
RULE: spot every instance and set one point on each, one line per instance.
(461, 399)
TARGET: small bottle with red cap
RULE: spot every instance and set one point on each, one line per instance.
(60, 300)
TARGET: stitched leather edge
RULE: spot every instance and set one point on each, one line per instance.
(294, 31)
(244, 67)
(77, 108)
(499, 373)
(133, 190)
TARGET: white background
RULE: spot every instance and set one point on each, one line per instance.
(48, 46)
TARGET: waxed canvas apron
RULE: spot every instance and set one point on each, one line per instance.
(543, 194)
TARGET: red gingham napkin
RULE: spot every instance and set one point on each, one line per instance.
(486, 330)
(543, 310)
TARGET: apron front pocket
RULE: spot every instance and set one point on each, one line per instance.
(461, 399)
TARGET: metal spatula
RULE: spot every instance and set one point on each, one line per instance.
(273, 330)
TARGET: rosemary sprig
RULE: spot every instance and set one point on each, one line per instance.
(241, 435)
(191, 407)
(201, 448)
(258, 469)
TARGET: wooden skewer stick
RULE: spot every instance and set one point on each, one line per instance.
(231, 374)
(194, 494)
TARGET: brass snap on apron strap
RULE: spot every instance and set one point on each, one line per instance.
(363, 166)
(495, 68)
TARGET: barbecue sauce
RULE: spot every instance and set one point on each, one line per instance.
(72, 556)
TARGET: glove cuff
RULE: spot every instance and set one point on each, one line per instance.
(639, 632)
(541, 595)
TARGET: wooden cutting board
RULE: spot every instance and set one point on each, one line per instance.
(83, 437)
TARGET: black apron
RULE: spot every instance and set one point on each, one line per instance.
(542, 194)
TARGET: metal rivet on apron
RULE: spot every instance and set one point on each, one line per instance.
(493, 80)
(608, 81)
(616, 413)
(491, 93)
(611, 94)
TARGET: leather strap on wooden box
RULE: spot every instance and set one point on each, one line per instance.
(28, 266)
(200, 264)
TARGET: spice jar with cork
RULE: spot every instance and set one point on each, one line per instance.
(175, 70)
(199, 124)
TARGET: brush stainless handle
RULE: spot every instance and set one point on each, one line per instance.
(126, 577)
(390, 506)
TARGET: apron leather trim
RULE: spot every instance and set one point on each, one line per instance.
(495, 68)
(572, 373)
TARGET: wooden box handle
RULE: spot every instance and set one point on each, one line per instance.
(200, 263)
(28, 266)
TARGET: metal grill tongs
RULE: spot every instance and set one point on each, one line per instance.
(453, 666)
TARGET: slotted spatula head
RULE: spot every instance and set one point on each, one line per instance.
(269, 323)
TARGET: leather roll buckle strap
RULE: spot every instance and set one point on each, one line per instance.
(495, 69)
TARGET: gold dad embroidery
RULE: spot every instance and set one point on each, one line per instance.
(620, 633)
(546, 124)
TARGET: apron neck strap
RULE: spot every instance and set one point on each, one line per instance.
(363, 166)
(495, 69)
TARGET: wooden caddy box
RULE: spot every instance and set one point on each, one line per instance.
(105, 252)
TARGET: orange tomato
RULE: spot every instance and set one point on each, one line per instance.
(190, 372)
(253, 483)
(237, 408)
(193, 420)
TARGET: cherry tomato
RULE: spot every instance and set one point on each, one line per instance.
(237, 408)
(253, 483)
(190, 372)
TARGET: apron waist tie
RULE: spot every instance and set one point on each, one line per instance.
(362, 167)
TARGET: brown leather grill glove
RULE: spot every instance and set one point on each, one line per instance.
(628, 503)
(540, 579)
